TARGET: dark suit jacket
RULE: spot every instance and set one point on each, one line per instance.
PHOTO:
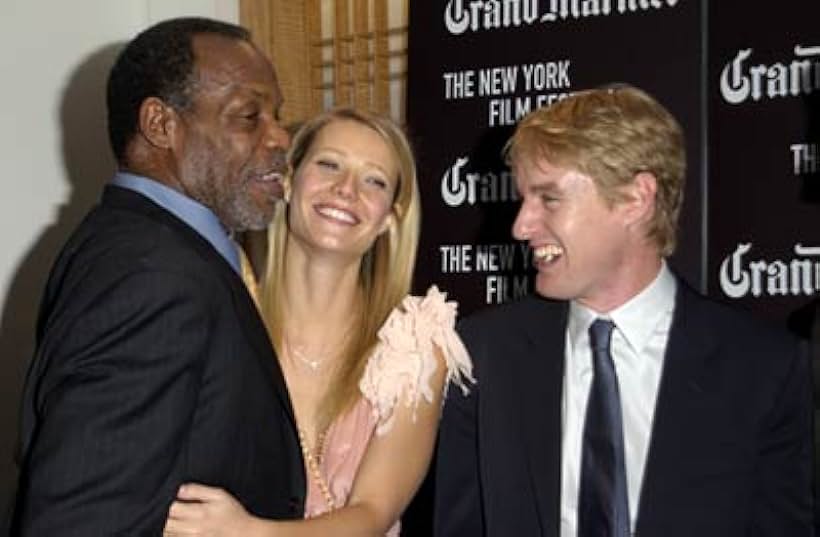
(730, 449)
(152, 368)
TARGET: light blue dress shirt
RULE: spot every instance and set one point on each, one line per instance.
(193, 213)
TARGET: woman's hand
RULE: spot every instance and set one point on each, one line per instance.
(207, 511)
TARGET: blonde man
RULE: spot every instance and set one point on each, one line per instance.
(619, 402)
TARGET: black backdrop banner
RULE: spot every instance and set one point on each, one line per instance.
(764, 156)
(741, 77)
(475, 67)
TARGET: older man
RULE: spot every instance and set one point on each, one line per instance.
(152, 365)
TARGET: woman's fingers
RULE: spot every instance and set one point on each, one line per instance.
(177, 528)
(199, 493)
(203, 511)
(185, 511)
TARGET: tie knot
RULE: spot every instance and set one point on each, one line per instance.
(600, 332)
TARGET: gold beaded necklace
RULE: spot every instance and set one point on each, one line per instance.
(313, 463)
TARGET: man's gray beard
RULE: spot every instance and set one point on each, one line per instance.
(242, 215)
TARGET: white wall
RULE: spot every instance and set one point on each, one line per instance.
(54, 152)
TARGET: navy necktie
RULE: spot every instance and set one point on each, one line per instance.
(603, 506)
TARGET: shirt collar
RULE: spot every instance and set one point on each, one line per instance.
(636, 319)
(190, 211)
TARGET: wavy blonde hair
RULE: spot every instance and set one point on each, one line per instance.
(386, 270)
(611, 134)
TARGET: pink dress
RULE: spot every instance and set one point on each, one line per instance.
(398, 372)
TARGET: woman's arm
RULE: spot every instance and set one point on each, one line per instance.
(390, 473)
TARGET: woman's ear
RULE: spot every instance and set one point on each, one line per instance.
(390, 224)
(287, 184)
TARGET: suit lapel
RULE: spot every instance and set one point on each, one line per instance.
(691, 342)
(541, 380)
(257, 334)
(246, 309)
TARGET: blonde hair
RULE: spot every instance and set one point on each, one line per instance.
(611, 134)
(386, 268)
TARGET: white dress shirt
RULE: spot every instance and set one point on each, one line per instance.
(638, 344)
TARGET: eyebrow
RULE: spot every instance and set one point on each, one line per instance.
(257, 95)
(262, 94)
(342, 153)
(250, 95)
(541, 188)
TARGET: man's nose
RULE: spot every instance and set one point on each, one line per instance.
(276, 135)
(523, 224)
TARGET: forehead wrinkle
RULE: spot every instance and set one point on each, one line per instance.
(231, 73)
(219, 77)
(220, 85)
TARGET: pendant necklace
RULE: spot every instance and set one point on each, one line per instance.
(314, 364)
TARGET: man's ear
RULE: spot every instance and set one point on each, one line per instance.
(158, 123)
(640, 199)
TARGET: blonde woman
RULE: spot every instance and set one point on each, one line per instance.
(366, 364)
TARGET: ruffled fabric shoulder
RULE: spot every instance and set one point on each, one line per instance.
(405, 358)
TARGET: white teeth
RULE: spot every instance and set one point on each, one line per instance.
(547, 253)
(337, 214)
(272, 176)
